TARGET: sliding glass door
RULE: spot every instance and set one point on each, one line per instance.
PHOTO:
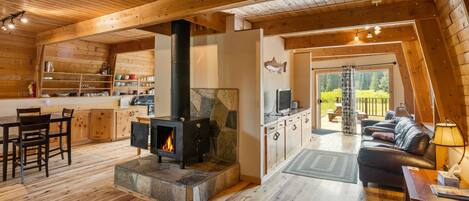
(373, 96)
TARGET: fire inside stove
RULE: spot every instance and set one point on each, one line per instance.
(168, 146)
(166, 141)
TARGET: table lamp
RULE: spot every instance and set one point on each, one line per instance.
(402, 111)
(448, 134)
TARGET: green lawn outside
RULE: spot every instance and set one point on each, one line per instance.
(329, 98)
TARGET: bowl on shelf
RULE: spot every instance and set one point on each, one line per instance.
(118, 77)
(126, 77)
(132, 76)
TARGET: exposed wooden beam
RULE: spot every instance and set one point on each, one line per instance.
(157, 12)
(394, 34)
(134, 46)
(215, 21)
(396, 12)
(447, 91)
(390, 48)
(420, 80)
(164, 28)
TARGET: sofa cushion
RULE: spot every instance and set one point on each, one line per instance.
(403, 125)
(386, 136)
(390, 115)
(377, 143)
(415, 140)
(391, 159)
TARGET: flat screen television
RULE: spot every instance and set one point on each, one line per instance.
(283, 100)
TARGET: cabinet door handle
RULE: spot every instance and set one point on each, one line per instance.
(276, 135)
(294, 127)
(307, 120)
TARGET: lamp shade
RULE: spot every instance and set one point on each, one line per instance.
(401, 111)
(448, 134)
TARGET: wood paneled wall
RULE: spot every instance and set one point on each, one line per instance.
(455, 25)
(77, 56)
(17, 54)
(141, 63)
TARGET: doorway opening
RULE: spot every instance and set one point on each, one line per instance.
(373, 96)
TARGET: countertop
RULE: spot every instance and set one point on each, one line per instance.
(272, 118)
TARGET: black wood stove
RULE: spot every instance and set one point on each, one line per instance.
(180, 136)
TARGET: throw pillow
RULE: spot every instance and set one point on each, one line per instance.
(386, 136)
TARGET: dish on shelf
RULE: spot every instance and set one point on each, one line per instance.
(63, 94)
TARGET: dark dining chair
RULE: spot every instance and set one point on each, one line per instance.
(20, 112)
(59, 134)
(40, 126)
(27, 112)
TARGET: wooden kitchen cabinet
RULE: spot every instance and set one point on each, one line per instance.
(102, 124)
(113, 124)
(81, 126)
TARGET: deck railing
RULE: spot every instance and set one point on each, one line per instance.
(371, 106)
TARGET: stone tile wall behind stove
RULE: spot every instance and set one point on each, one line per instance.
(221, 106)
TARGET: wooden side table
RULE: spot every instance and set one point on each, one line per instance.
(417, 184)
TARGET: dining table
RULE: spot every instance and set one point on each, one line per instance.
(8, 122)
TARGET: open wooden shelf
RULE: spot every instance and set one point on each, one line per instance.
(75, 82)
(70, 73)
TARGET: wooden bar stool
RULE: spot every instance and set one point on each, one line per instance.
(20, 112)
(61, 133)
(39, 125)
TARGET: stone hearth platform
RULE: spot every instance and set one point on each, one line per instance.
(165, 181)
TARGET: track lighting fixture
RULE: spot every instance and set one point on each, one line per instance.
(23, 19)
(9, 21)
(376, 29)
(4, 28)
(11, 24)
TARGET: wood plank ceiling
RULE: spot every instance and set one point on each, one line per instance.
(278, 9)
(49, 14)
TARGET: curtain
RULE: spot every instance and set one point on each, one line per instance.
(349, 124)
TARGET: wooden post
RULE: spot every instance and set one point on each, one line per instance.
(448, 94)
(419, 79)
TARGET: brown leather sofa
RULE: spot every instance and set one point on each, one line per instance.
(380, 161)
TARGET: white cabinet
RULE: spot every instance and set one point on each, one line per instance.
(284, 137)
(293, 135)
(305, 128)
(275, 146)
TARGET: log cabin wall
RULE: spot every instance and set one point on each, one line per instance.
(77, 56)
(454, 24)
(455, 27)
(17, 57)
(141, 63)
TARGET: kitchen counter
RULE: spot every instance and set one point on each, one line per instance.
(273, 118)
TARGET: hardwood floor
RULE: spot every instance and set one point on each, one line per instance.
(286, 187)
(90, 177)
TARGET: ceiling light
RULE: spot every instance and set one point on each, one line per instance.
(369, 35)
(377, 28)
(23, 19)
(377, 32)
(4, 28)
(11, 25)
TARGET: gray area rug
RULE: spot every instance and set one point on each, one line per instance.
(319, 131)
(335, 166)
